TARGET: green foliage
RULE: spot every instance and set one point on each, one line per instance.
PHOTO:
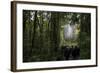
(43, 34)
(85, 37)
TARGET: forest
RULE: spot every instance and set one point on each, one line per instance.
(56, 36)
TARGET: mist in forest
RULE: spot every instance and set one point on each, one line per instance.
(56, 36)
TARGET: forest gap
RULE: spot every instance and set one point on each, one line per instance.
(56, 36)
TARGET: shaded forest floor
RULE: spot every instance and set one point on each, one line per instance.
(64, 53)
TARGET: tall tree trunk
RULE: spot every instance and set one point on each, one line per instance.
(34, 30)
(55, 31)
